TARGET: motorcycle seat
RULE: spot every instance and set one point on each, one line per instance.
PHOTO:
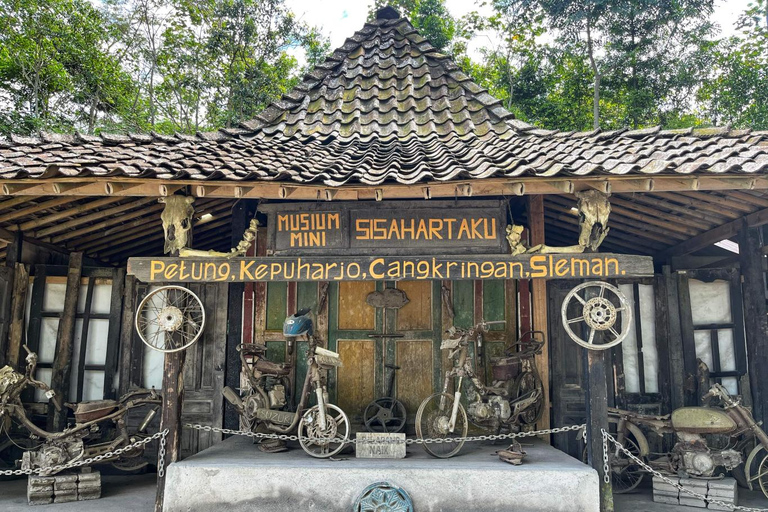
(269, 368)
(93, 410)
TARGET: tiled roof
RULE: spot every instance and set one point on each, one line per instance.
(386, 106)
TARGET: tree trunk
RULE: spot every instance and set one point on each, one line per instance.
(596, 71)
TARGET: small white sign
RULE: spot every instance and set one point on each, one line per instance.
(376, 445)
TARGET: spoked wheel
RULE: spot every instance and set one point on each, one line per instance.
(385, 415)
(323, 443)
(626, 474)
(599, 305)
(762, 476)
(433, 421)
(525, 384)
(170, 318)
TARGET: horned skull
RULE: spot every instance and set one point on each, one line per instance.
(177, 221)
(594, 209)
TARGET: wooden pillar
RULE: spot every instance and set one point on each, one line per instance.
(65, 337)
(173, 400)
(241, 216)
(539, 304)
(595, 373)
(129, 371)
(113, 334)
(17, 314)
(755, 320)
(12, 259)
(675, 346)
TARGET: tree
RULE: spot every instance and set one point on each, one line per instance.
(430, 17)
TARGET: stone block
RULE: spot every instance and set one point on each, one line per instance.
(690, 501)
(670, 500)
(65, 496)
(379, 445)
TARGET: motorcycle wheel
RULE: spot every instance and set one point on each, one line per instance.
(432, 420)
(626, 475)
(524, 384)
(763, 476)
(385, 415)
(326, 442)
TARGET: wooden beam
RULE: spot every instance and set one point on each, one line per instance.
(539, 305)
(83, 219)
(691, 223)
(728, 230)
(20, 213)
(755, 316)
(149, 187)
(700, 204)
(18, 314)
(595, 374)
(65, 338)
(128, 374)
(659, 204)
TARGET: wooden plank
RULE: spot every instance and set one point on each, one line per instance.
(356, 381)
(661, 315)
(83, 349)
(494, 303)
(728, 230)
(127, 333)
(463, 304)
(173, 400)
(354, 313)
(596, 371)
(690, 366)
(755, 318)
(639, 337)
(367, 268)
(539, 306)
(417, 314)
(277, 295)
(18, 313)
(413, 357)
(113, 333)
(62, 363)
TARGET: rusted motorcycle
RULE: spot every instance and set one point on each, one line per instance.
(491, 407)
(692, 455)
(323, 429)
(100, 425)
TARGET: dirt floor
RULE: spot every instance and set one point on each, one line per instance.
(137, 493)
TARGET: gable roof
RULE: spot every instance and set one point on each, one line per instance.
(385, 107)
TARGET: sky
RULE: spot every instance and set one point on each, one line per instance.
(339, 19)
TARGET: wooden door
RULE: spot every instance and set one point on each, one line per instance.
(204, 371)
(417, 351)
(351, 320)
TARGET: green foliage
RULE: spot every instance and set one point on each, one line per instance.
(430, 17)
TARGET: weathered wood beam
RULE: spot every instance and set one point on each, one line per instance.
(650, 224)
(65, 339)
(536, 227)
(20, 213)
(654, 215)
(657, 203)
(698, 203)
(755, 316)
(83, 219)
(145, 187)
(18, 313)
(8, 204)
(128, 374)
(717, 234)
(615, 235)
(720, 201)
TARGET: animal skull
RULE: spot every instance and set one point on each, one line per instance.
(177, 221)
(594, 209)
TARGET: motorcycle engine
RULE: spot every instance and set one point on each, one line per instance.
(704, 462)
(52, 454)
(480, 410)
(501, 407)
(251, 403)
(277, 396)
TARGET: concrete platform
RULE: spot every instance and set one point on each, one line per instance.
(235, 475)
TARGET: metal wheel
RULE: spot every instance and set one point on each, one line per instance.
(324, 443)
(600, 306)
(526, 383)
(762, 476)
(626, 474)
(385, 415)
(432, 421)
(170, 318)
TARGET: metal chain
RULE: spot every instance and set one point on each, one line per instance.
(283, 437)
(50, 470)
(161, 456)
(606, 467)
(728, 506)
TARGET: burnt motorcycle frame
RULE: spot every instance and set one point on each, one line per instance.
(448, 414)
(317, 431)
(630, 434)
(12, 407)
